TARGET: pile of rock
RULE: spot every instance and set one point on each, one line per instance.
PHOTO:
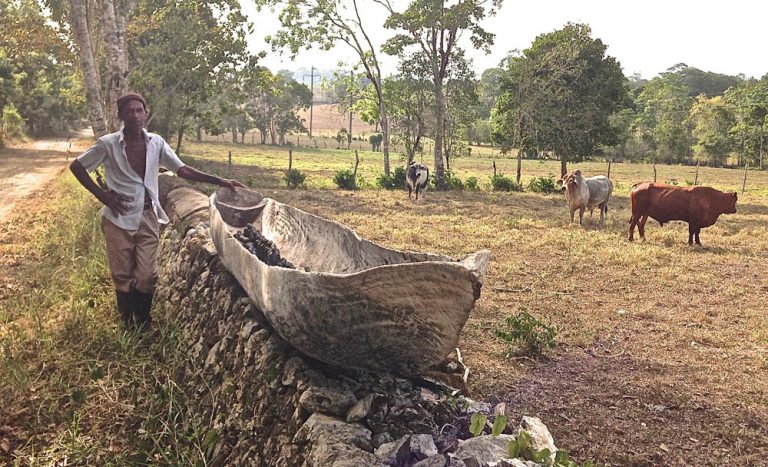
(269, 405)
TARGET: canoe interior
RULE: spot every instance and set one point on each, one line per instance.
(310, 242)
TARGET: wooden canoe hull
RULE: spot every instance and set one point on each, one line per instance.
(350, 302)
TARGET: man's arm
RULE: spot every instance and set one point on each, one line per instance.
(119, 204)
(195, 175)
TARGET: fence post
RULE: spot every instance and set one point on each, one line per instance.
(290, 159)
(229, 164)
(609, 167)
(696, 178)
(357, 161)
(744, 183)
(494, 168)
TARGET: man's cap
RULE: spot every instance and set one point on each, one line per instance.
(130, 96)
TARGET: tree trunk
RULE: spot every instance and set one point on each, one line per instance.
(180, 136)
(199, 134)
(166, 122)
(563, 166)
(384, 126)
(440, 125)
(519, 164)
(234, 135)
(81, 33)
(116, 54)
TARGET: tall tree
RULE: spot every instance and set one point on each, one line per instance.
(306, 23)
(559, 94)
(749, 132)
(489, 90)
(663, 107)
(114, 18)
(274, 105)
(78, 18)
(184, 52)
(710, 120)
(37, 69)
(411, 101)
(433, 28)
(461, 103)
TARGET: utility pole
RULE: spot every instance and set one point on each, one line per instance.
(312, 101)
(351, 102)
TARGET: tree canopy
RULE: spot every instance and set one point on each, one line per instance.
(558, 96)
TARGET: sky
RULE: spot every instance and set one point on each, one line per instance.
(647, 37)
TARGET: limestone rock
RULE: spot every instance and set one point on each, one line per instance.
(484, 449)
(540, 435)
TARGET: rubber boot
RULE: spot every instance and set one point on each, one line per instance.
(125, 306)
(143, 307)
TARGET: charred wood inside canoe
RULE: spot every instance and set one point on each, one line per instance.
(261, 247)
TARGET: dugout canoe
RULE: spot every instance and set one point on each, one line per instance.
(348, 302)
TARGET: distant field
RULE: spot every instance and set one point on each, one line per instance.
(662, 348)
(320, 164)
(661, 355)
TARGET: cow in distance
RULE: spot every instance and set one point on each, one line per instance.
(586, 193)
(699, 206)
(416, 178)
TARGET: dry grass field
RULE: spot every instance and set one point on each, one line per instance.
(662, 348)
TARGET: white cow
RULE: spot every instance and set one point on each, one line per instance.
(586, 193)
(416, 177)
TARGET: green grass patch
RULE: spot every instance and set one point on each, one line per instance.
(76, 387)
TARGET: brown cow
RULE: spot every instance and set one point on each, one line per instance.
(699, 206)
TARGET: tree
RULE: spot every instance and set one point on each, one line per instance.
(710, 120)
(97, 26)
(703, 82)
(433, 29)
(274, 106)
(410, 99)
(78, 16)
(558, 96)
(37, 70)
(325, 22)
(343, 91)
(749, 104)
(489, 90)
(663, 106)
(460, 111)
(185, 53)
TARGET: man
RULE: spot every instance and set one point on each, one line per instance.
(132, 213)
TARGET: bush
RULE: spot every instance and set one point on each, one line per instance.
(341, 137)
(12, 122)
(453, 182)
(527, 333)
(376, 139)
(501, 182)
(471, 184)
(345, 179)
(543, 184)
(294, 178)
(394, 181)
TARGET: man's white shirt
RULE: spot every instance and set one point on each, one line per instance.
(109, 151)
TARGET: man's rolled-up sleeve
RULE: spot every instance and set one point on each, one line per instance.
(169, 159)
(94, 156)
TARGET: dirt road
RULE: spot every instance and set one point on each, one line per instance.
(28, 166)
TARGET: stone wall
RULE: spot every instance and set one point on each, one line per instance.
(268, 404)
